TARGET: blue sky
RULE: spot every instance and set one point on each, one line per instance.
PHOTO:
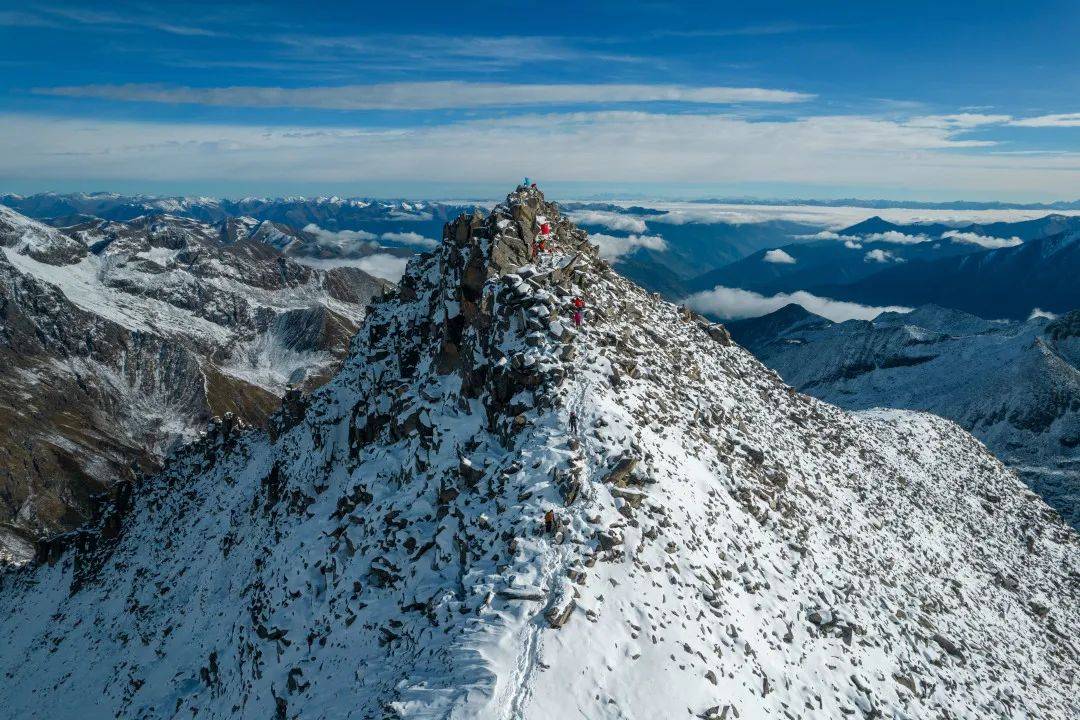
(912, 100)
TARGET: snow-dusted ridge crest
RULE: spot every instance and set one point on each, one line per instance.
(725, 547)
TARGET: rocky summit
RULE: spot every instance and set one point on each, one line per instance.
(430, 536)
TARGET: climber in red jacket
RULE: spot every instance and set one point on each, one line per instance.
(579, 310)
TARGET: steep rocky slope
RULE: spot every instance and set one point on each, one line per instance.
(117, 340)
(721, 546)
(1014, 385)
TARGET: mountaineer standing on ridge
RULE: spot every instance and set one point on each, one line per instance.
(579, 309)
(573, 423)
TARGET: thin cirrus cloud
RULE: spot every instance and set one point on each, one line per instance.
(424, 95)
(65, 17)
(1058, 120)
(400, 51)
(735, 303)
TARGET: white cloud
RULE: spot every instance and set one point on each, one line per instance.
(778, 256)
(410, 238)
(834, 217)
(387, 267)
(824, 235)
(610, 220)
(959, 120)
(879, 255)
(732, 215)
(855, 241)
(381, 265)
(895, 237)
(613, 248)
(424, 95)
(850, 241)
(1059, 120)
(60, 16)
(734, 303)
(982, 240)
(601, 147)
(1040, 313)
(346, 241)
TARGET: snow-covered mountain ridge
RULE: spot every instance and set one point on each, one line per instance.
(1014, 385)
(725, 547)
(121, 339)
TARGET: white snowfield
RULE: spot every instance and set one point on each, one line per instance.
(725, 547)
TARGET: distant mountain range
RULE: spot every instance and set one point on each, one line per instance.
(994, 270)
(1008, 282)
(677, 253)
(904, 204)
(1014, 384)
(393, 223)
(332, 227)
(119, 340)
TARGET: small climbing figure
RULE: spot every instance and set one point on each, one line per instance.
(545, 229)
(549, 521)
(579, 308)
(573, 422)
(525, 182)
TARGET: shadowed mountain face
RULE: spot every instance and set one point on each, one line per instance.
(1002, 283)
(429, 535)
(1014, 385)
(993, 270)
(120, 340)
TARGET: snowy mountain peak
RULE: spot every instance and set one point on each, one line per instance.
(37, 240)
(498, 509)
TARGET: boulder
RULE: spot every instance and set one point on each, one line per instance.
(621, 472)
